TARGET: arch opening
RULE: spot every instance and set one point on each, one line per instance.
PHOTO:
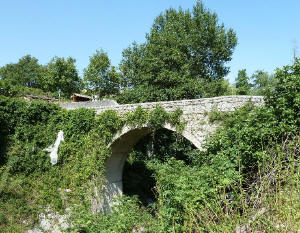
(127, 169)
(161, 145)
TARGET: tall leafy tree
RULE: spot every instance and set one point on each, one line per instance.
(242, 83)
(284, 98)
(27, 72)
(62, 74)
(100, 76)
(9, 74)
(262, 81)
(184, 52)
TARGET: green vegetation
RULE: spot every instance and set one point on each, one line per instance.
(242, 83)
(260, 83)
(27, 76)
(248, 173)
(101, 77)
(184, 57)
(29, 181)
(61, 73)
(251, 163)
(27, 72)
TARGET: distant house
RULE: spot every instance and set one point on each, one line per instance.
(79, 98)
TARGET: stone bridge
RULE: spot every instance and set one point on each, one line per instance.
(196, 130)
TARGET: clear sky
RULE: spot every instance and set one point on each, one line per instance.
(267, 30)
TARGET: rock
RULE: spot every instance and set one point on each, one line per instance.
(51, 222)
(245, 228)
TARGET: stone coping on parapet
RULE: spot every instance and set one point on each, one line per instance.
(221, 103)
(88, 104)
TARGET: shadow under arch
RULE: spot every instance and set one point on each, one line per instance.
(121, 146)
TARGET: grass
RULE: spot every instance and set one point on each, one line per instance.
(271, 204)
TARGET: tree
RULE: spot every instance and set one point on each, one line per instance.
(284, 98)
(9, 74)
(100, 76)
(61, 73)
(27, 72)
(262, 81)
(184, 51)
(242, 83)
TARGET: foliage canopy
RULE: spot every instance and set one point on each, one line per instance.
(100, 76)
(184, 52)
(26, 72)
(62, 74)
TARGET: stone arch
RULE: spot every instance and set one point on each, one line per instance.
(121, 146)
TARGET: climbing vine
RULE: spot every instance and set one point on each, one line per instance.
(29, 181)
(155, 118)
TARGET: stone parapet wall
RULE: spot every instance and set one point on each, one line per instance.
(222, 103)
(88, 104)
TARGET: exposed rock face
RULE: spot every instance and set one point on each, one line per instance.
(50, 222)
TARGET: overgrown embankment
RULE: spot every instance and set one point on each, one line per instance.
(29, 183)
(251, 163)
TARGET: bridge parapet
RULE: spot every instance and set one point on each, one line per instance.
(222, 103)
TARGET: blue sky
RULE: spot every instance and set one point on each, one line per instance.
(267, 30)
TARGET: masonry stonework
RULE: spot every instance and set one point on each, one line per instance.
(197, 129)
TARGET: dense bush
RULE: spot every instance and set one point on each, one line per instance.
(285, 98)
(27, 177)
